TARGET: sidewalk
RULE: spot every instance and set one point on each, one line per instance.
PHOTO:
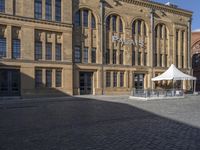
(18, 100)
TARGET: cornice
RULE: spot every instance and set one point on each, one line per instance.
(2, 60)
(27, 19)
(159, 6)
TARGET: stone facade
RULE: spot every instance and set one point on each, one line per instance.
(105, 66)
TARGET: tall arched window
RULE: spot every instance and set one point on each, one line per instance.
(139, 27)
(162, 29)
(82, 19)
(93, 22)
(120, 26)
(161, 52)
(115, 23)
(139, 53)
(108, 23)
(78, 18)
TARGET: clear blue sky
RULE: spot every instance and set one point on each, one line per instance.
(192, 5)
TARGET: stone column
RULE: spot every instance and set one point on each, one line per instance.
(126, 79)
(136, 47)
(164, 47)
(180, 49)
(53, 10)
(44, 77)
(9, 7)
(43, 40)
(89, 37)
(142, 38)
(111, 79)
(118, 79)
(171, 50)
(185, 50)
(174, 50)
(43, 9)
(158, 45)
(53, 46)
(53, 78)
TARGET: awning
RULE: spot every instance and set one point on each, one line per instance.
(173, 74)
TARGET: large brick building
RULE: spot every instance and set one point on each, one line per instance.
(195, 53)
(66, 47)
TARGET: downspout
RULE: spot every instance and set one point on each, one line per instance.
(102, 13)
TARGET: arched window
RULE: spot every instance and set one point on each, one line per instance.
(93, 22)
(139, 24)
(133, 28)
(2, 6)
(139, 27)
(78, 18)
(82, 19)
(108, 23)
(161, 33)
(196, 60)
(115, 23)
(85, 18)
(120, 26)
(162, 29)
(145, 30)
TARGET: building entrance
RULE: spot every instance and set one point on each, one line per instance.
(86, 79)
(9, 82)
(139, 81)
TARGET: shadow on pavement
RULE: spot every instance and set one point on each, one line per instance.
(89, 124)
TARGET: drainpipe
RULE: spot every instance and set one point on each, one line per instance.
(102, 39)
(189, 43)
(152, 43)
(189, 50)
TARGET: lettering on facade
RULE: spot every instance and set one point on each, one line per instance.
(128, 42)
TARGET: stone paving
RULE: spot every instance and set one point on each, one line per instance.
(100, 123)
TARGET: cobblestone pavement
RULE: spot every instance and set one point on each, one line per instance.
(100, 123)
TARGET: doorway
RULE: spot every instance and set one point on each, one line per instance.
(139, 81)
(86, 79)
(9, 82)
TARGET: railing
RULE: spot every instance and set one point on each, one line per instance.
(157, 93)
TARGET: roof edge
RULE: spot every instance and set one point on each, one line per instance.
(160, 6)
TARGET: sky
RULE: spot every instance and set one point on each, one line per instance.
(192, 5)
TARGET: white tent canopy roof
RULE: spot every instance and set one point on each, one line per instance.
(173, 74)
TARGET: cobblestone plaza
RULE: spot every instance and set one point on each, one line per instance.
(100, 123)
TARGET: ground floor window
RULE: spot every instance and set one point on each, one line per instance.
(48, 73)
(10, 82)
(38, 78)
(139, 81)
(48, 78)
(58, 78)
(108, 78)
(115, 79)
(121, 79)
(93, 55)
(77, 55)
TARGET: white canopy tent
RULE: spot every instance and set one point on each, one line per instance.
(174, 74)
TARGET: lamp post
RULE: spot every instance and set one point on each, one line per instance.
(102, 40)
